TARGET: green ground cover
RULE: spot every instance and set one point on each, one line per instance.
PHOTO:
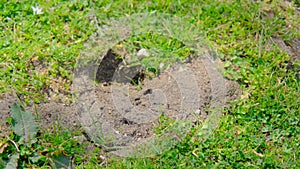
(260, 130)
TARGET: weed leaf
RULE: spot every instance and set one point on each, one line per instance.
(60, 161)
(24, 124)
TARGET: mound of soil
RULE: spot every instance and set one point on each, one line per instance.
(127, 112)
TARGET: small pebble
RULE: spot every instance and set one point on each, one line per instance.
(142, 53)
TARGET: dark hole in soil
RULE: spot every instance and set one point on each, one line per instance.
(148, 91)
(126, 121)
(111, 68)
(107, 67)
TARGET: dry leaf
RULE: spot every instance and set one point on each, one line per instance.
(3, 146)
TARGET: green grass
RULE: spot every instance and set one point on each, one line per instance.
(260, 130)
(167, 50)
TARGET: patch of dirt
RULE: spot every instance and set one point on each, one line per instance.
(127, 112)
(121, 104)
(115, 104)
(6, 101)
(49, 114)
(292, 48)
